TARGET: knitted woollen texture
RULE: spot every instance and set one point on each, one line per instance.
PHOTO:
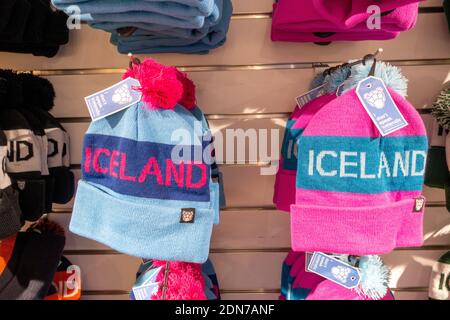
(328, 290)
(184, 281)
(203, 6)
(14, 29)
(302, 281)
(9, 199)
(147, 204)
(294, 16)
(209, 271)
(307, 25)
(436, 173)
(42, 30)
(189, 101)
(168, 8)
(287, 278)
(6, 8)
(196, 43)
(284, 194)
(38, 261)
(39, 99)
(43, 144)
(439, 288)
(369, 209)
(143, 17)
(25, 163)
(6, 250)
(446, 5)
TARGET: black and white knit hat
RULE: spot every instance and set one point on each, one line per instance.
(24, 160)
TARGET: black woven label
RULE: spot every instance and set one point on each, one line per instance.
(187, 215)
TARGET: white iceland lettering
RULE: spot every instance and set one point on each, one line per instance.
(352, 164)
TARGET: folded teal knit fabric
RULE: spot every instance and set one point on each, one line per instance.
(164, 13)
(205, 7)
(169, 8)
(214, 38)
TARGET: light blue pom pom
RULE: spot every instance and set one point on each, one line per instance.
(317, 81)
(374, 277)
(391, 76)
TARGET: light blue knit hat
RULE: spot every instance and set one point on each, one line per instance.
(135, 196)
(189, 101)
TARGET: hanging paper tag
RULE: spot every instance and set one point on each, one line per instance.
(334, 270)
(113, 99)
(309, 96)
(146, 285)
(308, 256)
(380, 106)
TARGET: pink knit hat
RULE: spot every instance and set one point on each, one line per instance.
(356, 190)
(284, 193)
(324, 20)
(328, 290)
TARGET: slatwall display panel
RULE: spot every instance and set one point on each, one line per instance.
(249, 77)
(259, 96)
(235, 270)
(271, 231)
(90, 48)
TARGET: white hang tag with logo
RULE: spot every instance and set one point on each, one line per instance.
(380, 106)
(113, 99)
(146, 286)
(334, 270)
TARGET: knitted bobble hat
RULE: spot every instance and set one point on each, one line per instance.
(202, 129)
(9, 198)
(24, 163)
(358, 192)
(284, 193)
(439, 158)
(33, 262)
(439, 288)
(183, 281)
(6, 7)
(328, 290)
(144, 189)
(39, 101)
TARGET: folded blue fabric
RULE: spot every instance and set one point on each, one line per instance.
(146, 17)
(173, 9)
(144, 28)
(203, 6)
(151, 29)
(160, 44)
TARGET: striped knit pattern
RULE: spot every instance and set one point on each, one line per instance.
(357, 191)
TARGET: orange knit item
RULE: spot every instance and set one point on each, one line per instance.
(6, 249)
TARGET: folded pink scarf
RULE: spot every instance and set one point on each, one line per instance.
(298, 20)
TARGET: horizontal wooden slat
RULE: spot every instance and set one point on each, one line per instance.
(236, 270)
(236, 230)
(250, 47)
(250, 91)
(241, 6)
(403, 295)
(263, 230)
(411, 268)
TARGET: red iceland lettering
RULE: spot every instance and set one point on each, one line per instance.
(182, 174)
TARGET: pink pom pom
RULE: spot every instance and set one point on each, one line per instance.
(188, 99)
(184, 281)
(160, 86)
